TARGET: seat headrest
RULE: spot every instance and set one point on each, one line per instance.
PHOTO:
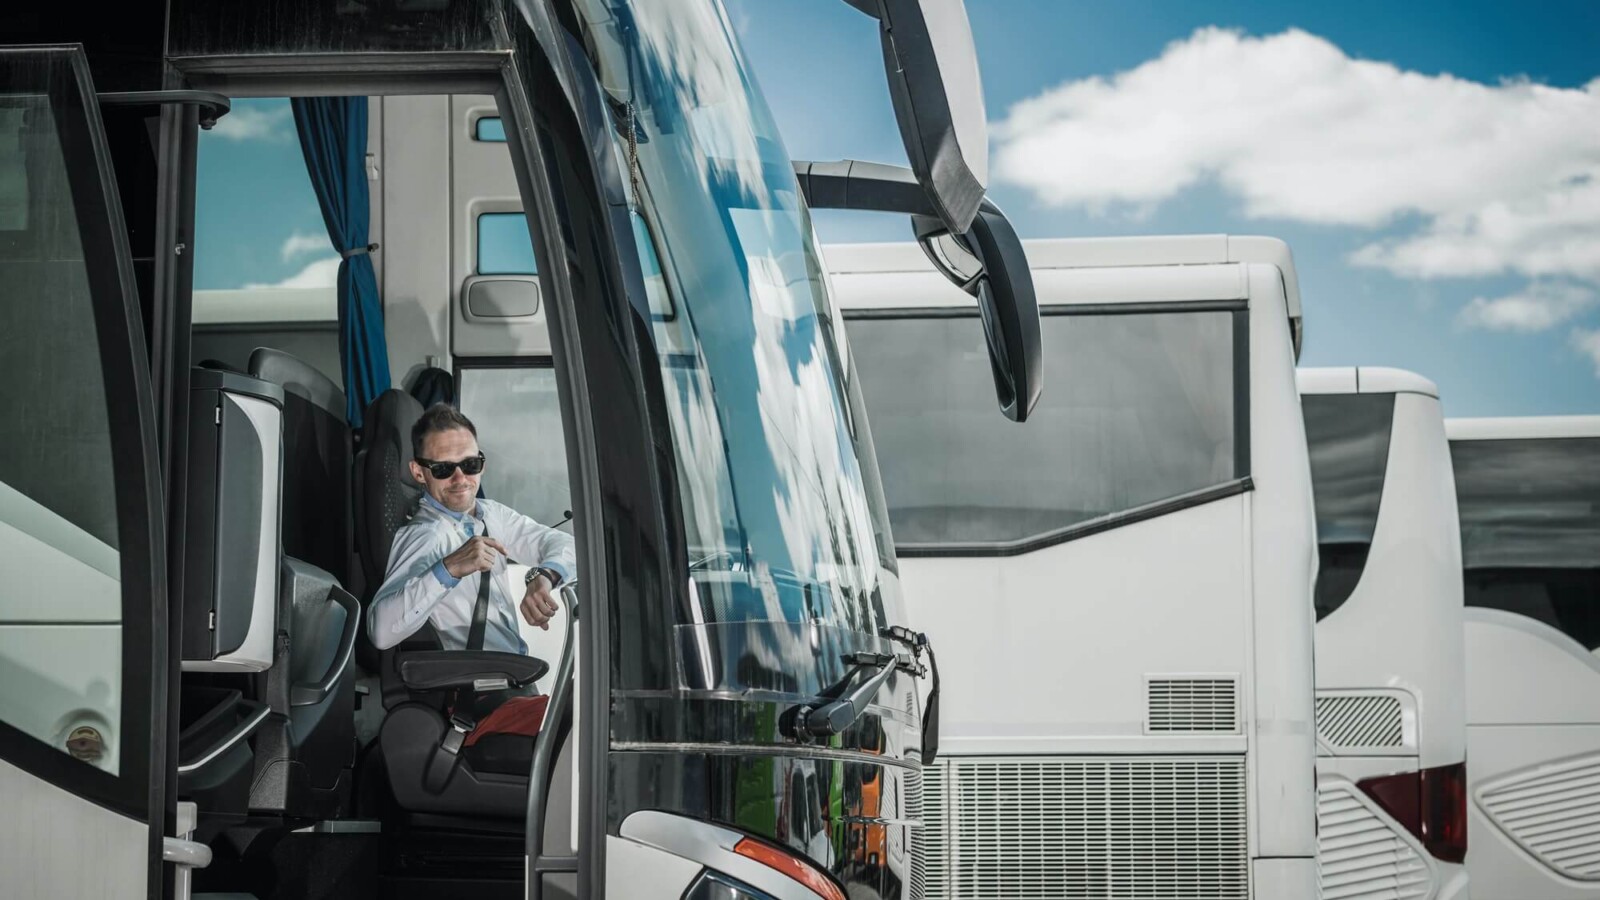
(298, 378)
(388, 492)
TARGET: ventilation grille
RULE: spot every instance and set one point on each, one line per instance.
(917, 838)
(1348, 721)
(1554, 813)
(1109, 828)
(1189, 705)
(1359, 856)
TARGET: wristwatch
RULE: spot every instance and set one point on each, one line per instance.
(549, 574)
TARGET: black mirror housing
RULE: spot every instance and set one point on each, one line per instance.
(1003, 286)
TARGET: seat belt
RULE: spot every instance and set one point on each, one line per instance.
(462, 721)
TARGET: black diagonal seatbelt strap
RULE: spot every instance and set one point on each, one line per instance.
(480, 610)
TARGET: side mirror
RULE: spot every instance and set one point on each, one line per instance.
(987, 261)
(932, 67)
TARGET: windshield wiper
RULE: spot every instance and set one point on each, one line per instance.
(847, 705)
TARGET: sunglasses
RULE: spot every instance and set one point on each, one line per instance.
(472, 465)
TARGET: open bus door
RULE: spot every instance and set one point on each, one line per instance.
(83, 630)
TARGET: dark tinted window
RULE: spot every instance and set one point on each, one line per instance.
(1348, 436)
(1136, 408)
(1530, 529)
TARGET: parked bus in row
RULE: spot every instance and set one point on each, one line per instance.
(1124, 584)
(1528, 490)
(1391, 716)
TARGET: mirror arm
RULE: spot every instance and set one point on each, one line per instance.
(864, 186)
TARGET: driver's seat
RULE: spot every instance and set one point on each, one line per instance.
(430, 767)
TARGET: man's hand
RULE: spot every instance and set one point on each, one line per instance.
(476, 555)
(538, 606)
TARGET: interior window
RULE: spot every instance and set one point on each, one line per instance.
(505, 247)
(60, 564)
(264, 268)
(518, 416)
(1348, 439)
(1530, 529)
(1137, 408)
(489, 128)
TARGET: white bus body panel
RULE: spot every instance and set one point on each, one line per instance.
(1393, 644)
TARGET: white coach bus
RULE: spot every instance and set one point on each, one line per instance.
(1391, 719)
(1529, 496)
(1122, 588)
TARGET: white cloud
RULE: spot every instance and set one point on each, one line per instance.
(1504, 177)
(253, 123)
(1587, 342)
(300, 244)
(323, 273)
(1542, 305)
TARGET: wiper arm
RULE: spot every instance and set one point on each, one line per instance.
(833, 717)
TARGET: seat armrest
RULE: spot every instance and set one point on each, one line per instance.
(476, 670)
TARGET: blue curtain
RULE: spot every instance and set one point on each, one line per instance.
(333, 138)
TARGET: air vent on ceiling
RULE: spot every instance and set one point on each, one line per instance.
(1190, 705)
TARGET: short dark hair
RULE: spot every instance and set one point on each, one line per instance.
(436, 418)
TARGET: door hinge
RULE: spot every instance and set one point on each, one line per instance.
(211, 620)
(217, 420)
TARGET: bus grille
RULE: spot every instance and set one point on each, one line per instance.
(1098, 828)
(1359, 855)
(1551, 811)
(1350, 721)
(917, 836)
(1192, 705)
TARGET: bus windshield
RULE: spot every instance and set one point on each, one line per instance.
(781, 520)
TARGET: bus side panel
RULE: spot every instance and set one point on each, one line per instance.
(1284, 571)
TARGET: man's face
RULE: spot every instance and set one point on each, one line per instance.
(459, 492)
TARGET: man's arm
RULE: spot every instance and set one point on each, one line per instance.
(410, 590)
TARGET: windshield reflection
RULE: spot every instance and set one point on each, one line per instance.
(780, 526)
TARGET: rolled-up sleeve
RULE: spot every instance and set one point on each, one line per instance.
(410, 590)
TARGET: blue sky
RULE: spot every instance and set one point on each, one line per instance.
(819, 66)
(1434, 166)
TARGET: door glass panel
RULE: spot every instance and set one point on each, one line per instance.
(61, 599)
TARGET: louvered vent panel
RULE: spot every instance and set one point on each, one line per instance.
(916, 838)
(1099, 828)
(935, 833)
(1554, 813)
(1360, 720)
(1359, 856)
(1189, 705)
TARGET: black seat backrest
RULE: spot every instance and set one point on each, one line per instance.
(386, 492)
(318, 520)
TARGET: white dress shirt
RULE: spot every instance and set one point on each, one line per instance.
(417, 589)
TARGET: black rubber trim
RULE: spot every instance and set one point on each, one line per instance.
(1058, 309)
(1082, 529)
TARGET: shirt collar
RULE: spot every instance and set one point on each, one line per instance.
(428, 499)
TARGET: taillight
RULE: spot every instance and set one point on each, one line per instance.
(1431, 804)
